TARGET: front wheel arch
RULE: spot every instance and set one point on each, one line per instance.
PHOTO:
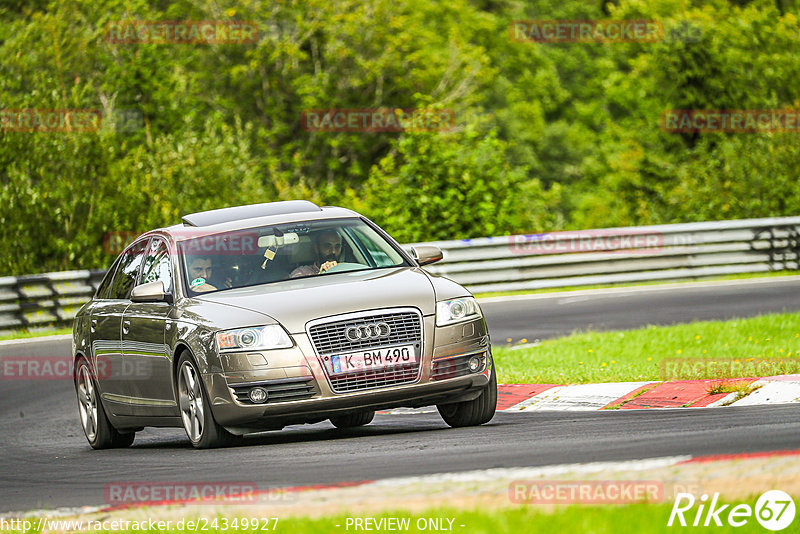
(211, 434)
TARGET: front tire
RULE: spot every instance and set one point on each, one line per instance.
(99, 431)
(353, 420)
(198, 421)
(474, 412)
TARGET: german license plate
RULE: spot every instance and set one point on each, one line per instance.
(367, 360)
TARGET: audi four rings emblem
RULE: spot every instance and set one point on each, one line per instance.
(367, 331)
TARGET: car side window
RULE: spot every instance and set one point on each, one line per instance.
(128, 270)
(379, 255)
(105, 285)
(157, 264)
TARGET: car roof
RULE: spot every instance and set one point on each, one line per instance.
(251, 211)
(251, 216)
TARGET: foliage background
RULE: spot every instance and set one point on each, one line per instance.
(549, 136)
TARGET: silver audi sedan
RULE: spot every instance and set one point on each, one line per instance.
(251, 318)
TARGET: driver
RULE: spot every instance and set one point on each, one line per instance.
(328, 249)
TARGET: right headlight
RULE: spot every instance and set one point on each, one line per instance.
(456, 310)
(253, 338)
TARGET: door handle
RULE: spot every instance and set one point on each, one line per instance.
(126, 327)
(94, 325)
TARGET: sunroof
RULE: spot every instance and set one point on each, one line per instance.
(236, 213)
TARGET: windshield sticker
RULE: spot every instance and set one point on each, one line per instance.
(198, 282)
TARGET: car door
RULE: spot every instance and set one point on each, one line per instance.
(106, 331)
(143, 340)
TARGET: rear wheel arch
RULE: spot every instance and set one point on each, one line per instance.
(76, 361)
(79, 355)
(101, 433)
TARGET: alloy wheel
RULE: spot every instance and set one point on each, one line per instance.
(87, 402)
(190, 397)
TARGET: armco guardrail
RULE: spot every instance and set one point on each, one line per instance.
(534, 261)
(621, 255)
(49, 299)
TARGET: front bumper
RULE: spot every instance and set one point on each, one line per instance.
(296, 373)
(234, 416)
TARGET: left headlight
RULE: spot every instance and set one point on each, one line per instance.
(253, 338)
(456, 310)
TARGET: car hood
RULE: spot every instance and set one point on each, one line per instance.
(295, 302)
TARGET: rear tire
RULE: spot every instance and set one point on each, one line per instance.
(198, 421)
(474, 412)
(99, 431)
(353, 420)
(123, 439)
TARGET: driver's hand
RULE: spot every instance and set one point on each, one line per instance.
(327, 265)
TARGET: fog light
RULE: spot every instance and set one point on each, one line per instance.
(258, 395)
(474, 364)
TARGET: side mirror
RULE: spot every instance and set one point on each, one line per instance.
(427, 254)
(150, 292)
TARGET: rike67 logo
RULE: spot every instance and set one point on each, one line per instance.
(774, 510)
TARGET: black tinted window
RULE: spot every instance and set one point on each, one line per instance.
(127, 270)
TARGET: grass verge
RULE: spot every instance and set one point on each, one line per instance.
(19, 334)
(636, 518)
(759, 346)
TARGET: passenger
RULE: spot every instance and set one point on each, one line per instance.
(327, 248)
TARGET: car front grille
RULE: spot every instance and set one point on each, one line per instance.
(329, 338)
(379, 378)
(455, 366)
(279, 390)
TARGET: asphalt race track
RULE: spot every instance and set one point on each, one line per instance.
(47, 462)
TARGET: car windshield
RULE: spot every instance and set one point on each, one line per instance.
(282, 252)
